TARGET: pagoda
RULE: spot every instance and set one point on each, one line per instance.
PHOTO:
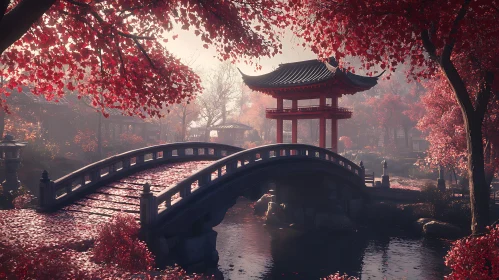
(305, 80)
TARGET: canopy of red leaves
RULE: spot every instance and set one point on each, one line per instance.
(388, 33)
(443, 122)
(111, 51)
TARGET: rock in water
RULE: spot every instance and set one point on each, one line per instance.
(441, 230)
(261, 205)
(419, 224)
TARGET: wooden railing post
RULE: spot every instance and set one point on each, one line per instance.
(148, 207)
(46, 191)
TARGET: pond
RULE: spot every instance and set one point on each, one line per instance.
(250, 250)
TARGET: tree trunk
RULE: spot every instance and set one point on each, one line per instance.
(406, 136)
(395, 137)
(2, 122)
(479, 190)
(99, 136)
(183, 127)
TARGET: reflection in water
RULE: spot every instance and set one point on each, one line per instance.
(248, 250)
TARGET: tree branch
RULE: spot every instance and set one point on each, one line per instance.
(447, 51)
(428, 45)
(3, 7)
(141, 48)
(19, 20)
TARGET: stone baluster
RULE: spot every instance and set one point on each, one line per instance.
(139, 159)
(167, 153)
(47, 192)
(126, 163)
(148, 206)
(205, 179)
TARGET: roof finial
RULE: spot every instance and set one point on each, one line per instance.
(331, 67)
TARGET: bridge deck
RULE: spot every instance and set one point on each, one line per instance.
(123, 195)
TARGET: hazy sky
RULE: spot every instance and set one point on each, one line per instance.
(189, 48)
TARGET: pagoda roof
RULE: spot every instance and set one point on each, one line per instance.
(307, 73)
(231, 126)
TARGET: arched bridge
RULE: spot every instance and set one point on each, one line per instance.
(196, 195)
(64, 191)
(177, 216)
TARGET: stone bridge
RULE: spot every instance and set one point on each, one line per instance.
(177, 216)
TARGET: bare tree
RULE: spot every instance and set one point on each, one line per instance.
(210, 111)
(224, 85)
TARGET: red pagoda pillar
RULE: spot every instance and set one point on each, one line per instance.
(322, 123)
(334, 127)
(294, 123)
(280, 127)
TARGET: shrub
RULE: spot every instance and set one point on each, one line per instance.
(338, 276)
(475, 257)
(438, 200)
(118, 243)
(23, 201)
(41, 263)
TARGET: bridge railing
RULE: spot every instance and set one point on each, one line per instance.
(154, 207)
(53, 193)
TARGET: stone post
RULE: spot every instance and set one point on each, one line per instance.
(362, 172)
(441, 179)
(46, 192)
(148, 207)
(385, 178)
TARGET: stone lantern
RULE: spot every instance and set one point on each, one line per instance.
(10, 152)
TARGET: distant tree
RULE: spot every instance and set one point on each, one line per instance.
(181, 117)
(210, 111)
(443, 122)
(45, 42)
(224, 85)
(457, 38)
(253, 114)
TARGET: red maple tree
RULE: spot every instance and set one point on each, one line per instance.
(54, 46)
(443, 122)
(457, 38)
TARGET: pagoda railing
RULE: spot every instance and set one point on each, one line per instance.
(313, 108)
(72, 186)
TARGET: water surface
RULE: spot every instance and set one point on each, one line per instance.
(249, 250)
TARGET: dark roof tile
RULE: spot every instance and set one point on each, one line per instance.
(307, 72)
